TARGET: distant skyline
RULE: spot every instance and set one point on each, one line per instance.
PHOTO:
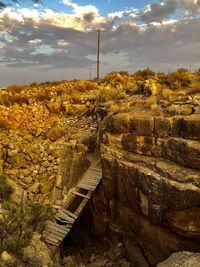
(54, 40)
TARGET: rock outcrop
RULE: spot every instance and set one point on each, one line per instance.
(181, 259)
(150, 189)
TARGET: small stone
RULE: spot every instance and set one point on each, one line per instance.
(46, 187)
(120, 245)
(73, 144)
(5, 256)
(28, 137)
(45, 164)
(92, 258)
(39, 132)
(59, 181)
(42, 170)
(28, 180)
(34, 187)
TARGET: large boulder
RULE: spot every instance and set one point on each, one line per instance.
(182, 259)
(55, 132)
(37, 253)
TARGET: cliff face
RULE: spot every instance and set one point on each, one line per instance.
(151, 183)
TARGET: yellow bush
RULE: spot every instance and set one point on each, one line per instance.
(167, 94)
(106, 94)
(152, 100)
(4, 124)
(76, 97)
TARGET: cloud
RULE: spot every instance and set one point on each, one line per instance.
(42, 39)
(2, 5)
(118, 14)
(157, 12)
(80, 11)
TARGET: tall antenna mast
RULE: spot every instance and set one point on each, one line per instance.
(98, 51)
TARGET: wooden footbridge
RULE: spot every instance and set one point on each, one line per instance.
(56, 230)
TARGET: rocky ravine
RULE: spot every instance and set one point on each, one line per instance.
(148, 136)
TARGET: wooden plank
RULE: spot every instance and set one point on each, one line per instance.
(92, 178)
(80, 195)
(51, 241)
(56, 207)
(55, 236)
(95, 169)
(93, 186)
(62, 227)
(64, 216)
(94, 174)
(53, 227)
(81, 206)
(69, 213)
(55, 232)
(91, 173)
(85, 187)
(89, 182)
(69, 225)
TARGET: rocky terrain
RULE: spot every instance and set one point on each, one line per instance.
(147, 128)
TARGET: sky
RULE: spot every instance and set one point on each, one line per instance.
(51, 40)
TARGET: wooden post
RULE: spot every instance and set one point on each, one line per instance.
(98, 51)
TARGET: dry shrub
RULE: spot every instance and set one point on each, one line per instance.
(83, 86)
(60, 91)
(177, 79)
(15, 88)
(77, 109)
(167, 94)
(76, 97)
(18, 225)
(121, 95)
(42, 96)
(4, 124)
(152, 100)
(195, 88)
(106, 94)
(8, 100)
(114, 108)
(144, 74)
(5, 189)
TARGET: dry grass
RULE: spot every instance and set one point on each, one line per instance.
(4, 124)
(8, 100)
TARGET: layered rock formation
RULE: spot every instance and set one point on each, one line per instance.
(150, 190)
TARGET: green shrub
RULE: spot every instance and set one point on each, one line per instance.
(106, 94)
(5, 189)
(182, 76)
(18, 224)
(144, 74)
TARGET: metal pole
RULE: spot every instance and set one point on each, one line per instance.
(98, 50)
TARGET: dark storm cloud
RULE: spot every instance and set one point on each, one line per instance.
(157, 12)
(2, 5)
(89, 17)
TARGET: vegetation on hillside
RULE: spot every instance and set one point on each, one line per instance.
(18, 223)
